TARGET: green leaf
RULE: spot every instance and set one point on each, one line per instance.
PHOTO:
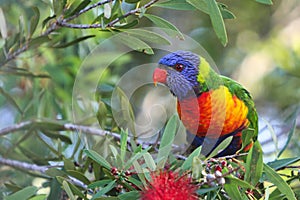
(134, 43)
(217, 21)
(226, 14)
(34, 20)
(77, 40)
(149, 161)
(12, 187)
(268, 2)
(96, 157)
(56, 135)
(167, 141)
(128, 25)
(254, 164)
(100, 183)
(247, 136)
(39, 197)
(104, 190)
(196, 168)
(68, 164)
(38, 41)
(79, 176)
(220, 147)
(123, 141)
(166, 26)
(278, 164)
(53, 172)
(45, 21)
(58, 6)
(129, 195)
(25, 193)
(206, 190)
(235, 181)
(233, 191)
(187, 164)
(132, 1)
(10, 100)
(291, 133)
(68, 190)
(81, 6)
(148, 36)
(135, 157)
(175, 4)
(200, 5)
(277, 180)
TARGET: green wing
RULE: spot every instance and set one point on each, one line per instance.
(238, 90)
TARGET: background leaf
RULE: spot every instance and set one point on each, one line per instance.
(277, 180)
(167, 141)
(217, 20)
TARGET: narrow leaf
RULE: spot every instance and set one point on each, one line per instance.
(101, 183)
(25, 193)
(3, 27)
(34, 20)
(135, 157)
(196, 168)
(123, 141)
(148, 36)
(96, 157)
(129, 195)
(149, 161)
(167, 140)
(235, 181)
(82, 5)
(175, 4)
(104, 190)
(233, 191)
(278, 164)
(220, 147)
(254, 164)
(79, 176)
(200, 5)
(77, 40)
(10, 100)
(166, 26)
(267, 2)
(217, 21)
(134, 43)
(38, 41)
(187, 164)
(291, 133)
(277, 180)
(45, 21)
(68, 190)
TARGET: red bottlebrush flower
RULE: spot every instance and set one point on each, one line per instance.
(168, 185)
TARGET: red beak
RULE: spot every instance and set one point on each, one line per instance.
(159, 75)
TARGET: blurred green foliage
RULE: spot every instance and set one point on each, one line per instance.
(36, 85)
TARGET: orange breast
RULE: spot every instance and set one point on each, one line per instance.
(214, 113)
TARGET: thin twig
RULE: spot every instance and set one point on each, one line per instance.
(110, 24)
(37, 168)
(100, 3)
(15, 127)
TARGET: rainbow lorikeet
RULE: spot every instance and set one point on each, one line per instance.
(212, 107)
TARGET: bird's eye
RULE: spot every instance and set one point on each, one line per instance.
(179, 67)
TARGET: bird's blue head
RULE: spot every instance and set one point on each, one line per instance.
(179, 71)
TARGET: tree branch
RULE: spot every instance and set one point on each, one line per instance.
(60, 22)
(100, 3)
(24, 165)
(110, 24)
